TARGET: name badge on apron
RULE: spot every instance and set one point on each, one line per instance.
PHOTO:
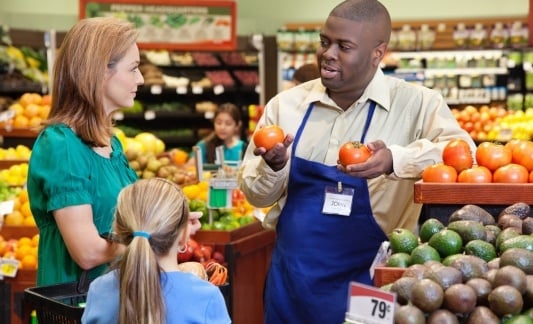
(338, 200)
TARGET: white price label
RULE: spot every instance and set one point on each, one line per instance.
(218, 89)
(9, 267)
(370, 305)
(119, 115)
(197, 90)
(6, 207)
(156, 89)
(181, 90)
(149, 115)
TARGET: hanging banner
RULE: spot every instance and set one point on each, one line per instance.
(173, 24)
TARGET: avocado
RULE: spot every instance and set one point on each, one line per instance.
(520, 209)
(520, 241)
(403, 288)
(518, 257)
(527, 225)
(442, 316)
(528, 295)
(482, 314)
(509, 220)
(409, 314)
(468, 230)
(460, 299)
(512, 276)
(470, 266)
(505, 300)
(505, 235)
(427, 295)
(472, 212)
(482, 287)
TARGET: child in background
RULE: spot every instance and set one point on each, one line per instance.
(227, 124)
(145, 286)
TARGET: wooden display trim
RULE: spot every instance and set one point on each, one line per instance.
(473, 193)
(178, 7)
(19, 132)
(385, 275)
(16, 232)
(444, 28)
(223, 237)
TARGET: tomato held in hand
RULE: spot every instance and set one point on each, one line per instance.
(457, 154)
(511, 173)
(353, 153)
(439, 172)
(268, 136)
(475, 174)
(492, 155)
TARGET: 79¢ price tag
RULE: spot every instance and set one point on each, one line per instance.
(370, 305)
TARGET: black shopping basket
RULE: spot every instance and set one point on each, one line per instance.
(61, 303)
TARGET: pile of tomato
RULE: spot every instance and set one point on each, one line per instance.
(511, 162)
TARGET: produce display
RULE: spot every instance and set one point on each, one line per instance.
(511, 162)
(495, 123)
(28, 111)
(476, 269)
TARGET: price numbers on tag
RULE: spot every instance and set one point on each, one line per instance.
(369, 304)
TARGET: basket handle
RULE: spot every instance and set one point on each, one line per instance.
(83, 284)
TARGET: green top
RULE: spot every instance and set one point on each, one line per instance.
(232, 155)
(64, 171)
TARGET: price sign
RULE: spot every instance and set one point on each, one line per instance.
(370, 305)
(8, 267)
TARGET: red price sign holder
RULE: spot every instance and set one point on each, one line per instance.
(370, 305)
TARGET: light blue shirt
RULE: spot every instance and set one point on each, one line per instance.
(188, 300)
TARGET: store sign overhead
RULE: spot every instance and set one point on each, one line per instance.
(176, 24)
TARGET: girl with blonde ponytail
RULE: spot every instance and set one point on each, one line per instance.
(145, 285)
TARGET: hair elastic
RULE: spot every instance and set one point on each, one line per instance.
(142, 234)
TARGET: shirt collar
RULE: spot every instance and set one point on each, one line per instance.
(377, 90)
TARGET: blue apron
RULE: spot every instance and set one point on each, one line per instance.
(317, 255)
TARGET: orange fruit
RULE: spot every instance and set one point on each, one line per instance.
(35, 121)
(23, 196)
(25, 209)
(46, 99)
(21, 121)
(30, 98)
(45, 111)
(29, 261)
(25, 241)
(179, 157)
(32, 110)
(35, 240)
(29, 221)
(22, 251)
(14, 218)
(17, 108)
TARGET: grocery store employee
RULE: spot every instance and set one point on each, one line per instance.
(77, 166)
(330, 220)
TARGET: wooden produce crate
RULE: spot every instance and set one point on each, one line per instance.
(385, 275)
(6, 164)
(442, 199)
(473, 193)
(12, 289)
(247, 251)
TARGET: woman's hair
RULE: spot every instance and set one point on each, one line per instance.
(159, 208)
(89, 48)
(306, 72)
(212, 141)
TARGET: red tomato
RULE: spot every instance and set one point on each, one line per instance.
(268, 136)
(439, 172)
(511, 173)
(353, 153)
(523, 154)
(457, 154)
(475, 174)
(492, 155)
